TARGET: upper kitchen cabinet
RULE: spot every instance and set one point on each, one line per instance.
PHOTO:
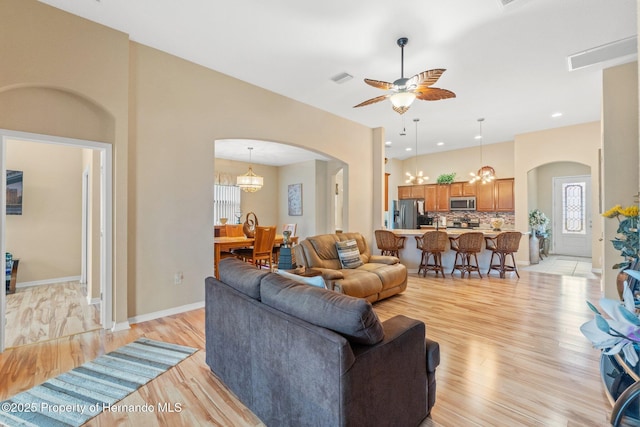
(504, 195)
(496, 196)
(430, 196)
(404, 192)
(437, 197)
(411, 192)
(417, 191)
(485, 198)
(442, 201)
(463, 189)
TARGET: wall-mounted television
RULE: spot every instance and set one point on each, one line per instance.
(14, 192)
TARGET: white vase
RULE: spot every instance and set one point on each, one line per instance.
(534, 248)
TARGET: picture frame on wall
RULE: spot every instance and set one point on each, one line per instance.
(294, 199)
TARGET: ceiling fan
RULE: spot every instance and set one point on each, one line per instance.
(405, 91)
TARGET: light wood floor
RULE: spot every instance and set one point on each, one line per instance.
(41, 313)
(512, 355)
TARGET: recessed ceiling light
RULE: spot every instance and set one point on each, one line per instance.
(477, 137)
(556, 115)
(439, 144)
(387, 143)
(407, 149)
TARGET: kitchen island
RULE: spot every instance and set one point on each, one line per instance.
(410, 256)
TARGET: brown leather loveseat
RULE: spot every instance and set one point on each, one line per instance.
(377, 277)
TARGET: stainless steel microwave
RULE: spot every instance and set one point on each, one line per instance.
(462, 203)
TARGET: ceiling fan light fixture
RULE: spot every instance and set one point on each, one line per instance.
(403, 99)
(249, 182)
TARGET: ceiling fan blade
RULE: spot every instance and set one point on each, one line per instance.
(372, 101)
(379, 84)
(433, 94)
(427, 78)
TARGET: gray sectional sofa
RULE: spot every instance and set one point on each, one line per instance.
(299, 355)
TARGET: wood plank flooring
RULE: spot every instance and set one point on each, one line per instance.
(512, 355)
(42, 313)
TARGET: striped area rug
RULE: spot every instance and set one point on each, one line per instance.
(73, 398)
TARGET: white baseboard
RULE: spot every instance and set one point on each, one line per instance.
(93, 301)
(596, 270)
(122, 326)
(47, 282)
(164, 313)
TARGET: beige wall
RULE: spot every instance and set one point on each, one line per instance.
(620, 156)
(47, 236)
(65, 76)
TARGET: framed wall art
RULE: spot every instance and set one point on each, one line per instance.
(294, 199)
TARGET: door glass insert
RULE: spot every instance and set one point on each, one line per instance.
(573, 208)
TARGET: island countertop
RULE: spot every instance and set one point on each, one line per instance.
(452, 232)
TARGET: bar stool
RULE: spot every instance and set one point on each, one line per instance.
(432, 244)
(503, 245)
(389, 243)
(466, 246)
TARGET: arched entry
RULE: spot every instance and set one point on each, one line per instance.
(562, 191)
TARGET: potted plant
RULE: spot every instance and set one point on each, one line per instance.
(627, 242)
(446, 178)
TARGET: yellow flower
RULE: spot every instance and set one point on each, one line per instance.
(629, 211)
(613, 212)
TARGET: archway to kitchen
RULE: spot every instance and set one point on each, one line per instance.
(320, 178)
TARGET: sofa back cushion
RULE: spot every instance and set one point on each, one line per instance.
(241, 276)
(351, 317)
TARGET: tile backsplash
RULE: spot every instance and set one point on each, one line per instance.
(482, 217)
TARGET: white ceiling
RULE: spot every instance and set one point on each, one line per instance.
(506, 64)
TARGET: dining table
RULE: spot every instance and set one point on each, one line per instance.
(221, 244)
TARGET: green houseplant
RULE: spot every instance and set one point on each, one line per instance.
(446, 178)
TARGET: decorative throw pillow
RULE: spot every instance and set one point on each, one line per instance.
(317, 281)
(349, 254)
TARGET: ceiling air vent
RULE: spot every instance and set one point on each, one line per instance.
(617, 50)
(341, 78)
(505, 3)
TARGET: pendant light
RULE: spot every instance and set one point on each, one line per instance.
(485, 173)
(249, 182)
(418, 178)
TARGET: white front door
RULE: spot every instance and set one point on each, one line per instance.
(572, 215)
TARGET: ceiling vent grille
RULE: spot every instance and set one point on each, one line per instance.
(617, 50)
(341, 78)
(505, 3)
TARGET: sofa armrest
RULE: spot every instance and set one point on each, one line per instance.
(388, 380)
(433, 355)
(330, 274)
(384, 259)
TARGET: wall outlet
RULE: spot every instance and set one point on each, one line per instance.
(177, 278)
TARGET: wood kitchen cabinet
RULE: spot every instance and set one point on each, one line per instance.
(437, 197)
(417, 191)
(442, 201)
(404, 192)
(462, 189)
(485, 197)
(504, 195)
(496, 196)
(430, 193)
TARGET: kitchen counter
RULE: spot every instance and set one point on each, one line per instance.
(410, 255)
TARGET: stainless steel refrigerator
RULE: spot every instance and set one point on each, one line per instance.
(406, 213)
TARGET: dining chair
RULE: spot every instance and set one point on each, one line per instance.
(503, 245)
(231, 230)
(262, 252)
(432, 244)
(467, 246)
(389, 243)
